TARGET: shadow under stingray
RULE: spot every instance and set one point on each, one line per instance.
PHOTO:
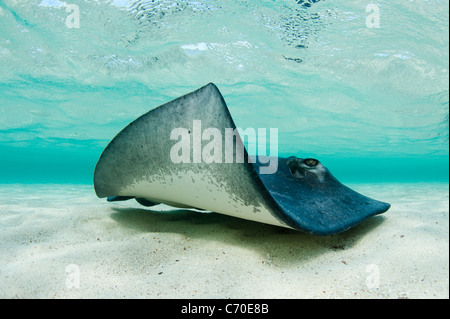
(285, 245)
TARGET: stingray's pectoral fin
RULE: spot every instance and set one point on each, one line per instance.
(146, 202)
(118, 198)
(142, 201)
(313, 200)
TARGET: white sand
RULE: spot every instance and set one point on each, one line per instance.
(122, 250)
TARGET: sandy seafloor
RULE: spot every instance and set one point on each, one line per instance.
(61, 241)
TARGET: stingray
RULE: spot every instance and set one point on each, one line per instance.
(156, 159)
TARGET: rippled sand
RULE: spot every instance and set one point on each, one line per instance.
(61, 241)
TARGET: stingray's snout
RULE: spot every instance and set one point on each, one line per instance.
(300, 166)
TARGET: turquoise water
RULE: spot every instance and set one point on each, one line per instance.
(367, 95)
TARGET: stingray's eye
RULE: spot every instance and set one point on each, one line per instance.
(311, 162)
